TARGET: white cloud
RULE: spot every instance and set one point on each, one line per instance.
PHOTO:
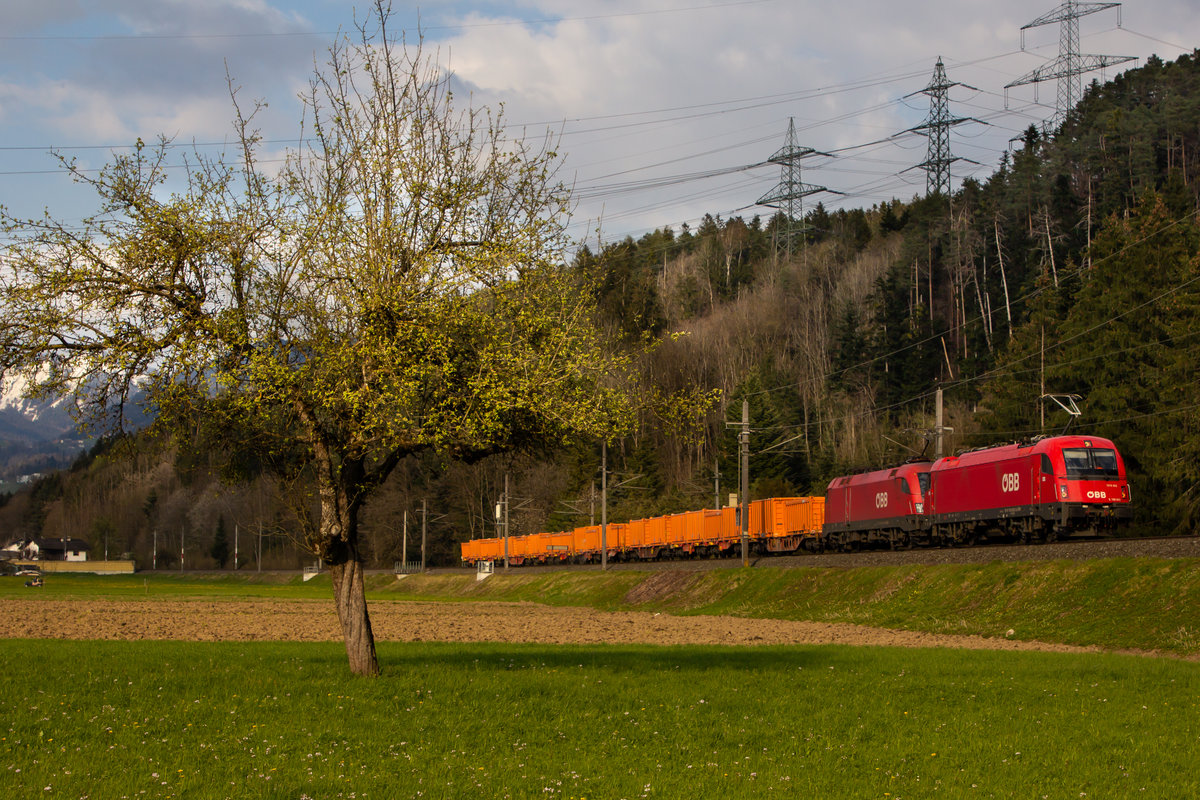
(710, 84)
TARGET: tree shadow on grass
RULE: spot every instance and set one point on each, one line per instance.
(613, 658)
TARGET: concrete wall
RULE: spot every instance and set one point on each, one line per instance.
(97, 567)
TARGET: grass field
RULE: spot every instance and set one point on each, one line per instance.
(83, 719)
(158, 719)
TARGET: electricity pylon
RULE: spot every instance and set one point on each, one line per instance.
(937, 127)
(1070, 65)
(788, 195)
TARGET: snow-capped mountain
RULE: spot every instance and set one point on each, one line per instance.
(36, 436)
(33, 420)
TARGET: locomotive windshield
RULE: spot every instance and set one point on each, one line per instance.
(922, 484)
(1089, 462)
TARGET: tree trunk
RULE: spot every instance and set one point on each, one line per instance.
(349, 594)
(339, 550)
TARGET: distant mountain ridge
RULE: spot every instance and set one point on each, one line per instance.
(35, 435)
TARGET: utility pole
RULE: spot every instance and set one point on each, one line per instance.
(744, 441)
(604, 505)
(1042, 371)
(404, 543)
(716, 483)
(506, 520)
(1068, 69)
(235, 546)
(939, 430)
(424, 528)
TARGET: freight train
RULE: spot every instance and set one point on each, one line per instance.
(1035, 491)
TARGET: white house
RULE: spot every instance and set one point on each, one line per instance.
(56, 550)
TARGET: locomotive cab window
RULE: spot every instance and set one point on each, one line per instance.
(1090, 463)
(923, 482)
(1047, 469)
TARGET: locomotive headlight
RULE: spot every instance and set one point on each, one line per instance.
(1062, 491)
(920, 507)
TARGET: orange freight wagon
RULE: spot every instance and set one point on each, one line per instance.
(587, 541)
(729, 533)
(470, 552)
(693, 528)
(561, 546)
(654, 541)
(710, 525)
(790, 523)
(760, 514)
(704, 530)
(615, 538)
(518, 549)
(635, 533)
(491, 549)
(676, 528)
(538, 547)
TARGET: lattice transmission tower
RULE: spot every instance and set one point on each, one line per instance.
(937, 127)
(788, 195)
(1068, 69)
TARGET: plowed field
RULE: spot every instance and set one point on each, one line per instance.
(310, 620)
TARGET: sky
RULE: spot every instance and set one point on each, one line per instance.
(667, 110)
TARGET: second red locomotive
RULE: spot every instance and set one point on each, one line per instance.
(886, 506)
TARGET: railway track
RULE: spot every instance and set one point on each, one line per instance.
(1079, 549)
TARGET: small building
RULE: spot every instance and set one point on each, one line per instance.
(57, 550)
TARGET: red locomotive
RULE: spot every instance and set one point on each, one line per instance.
(882, 507)
(1050, 488)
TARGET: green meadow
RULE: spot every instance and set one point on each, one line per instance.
(83, 719)
(165, 719)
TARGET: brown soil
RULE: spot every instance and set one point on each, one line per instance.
(311, 620)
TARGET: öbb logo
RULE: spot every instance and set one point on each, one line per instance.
(1010, 482)
(881, 500)
(1097, 495)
